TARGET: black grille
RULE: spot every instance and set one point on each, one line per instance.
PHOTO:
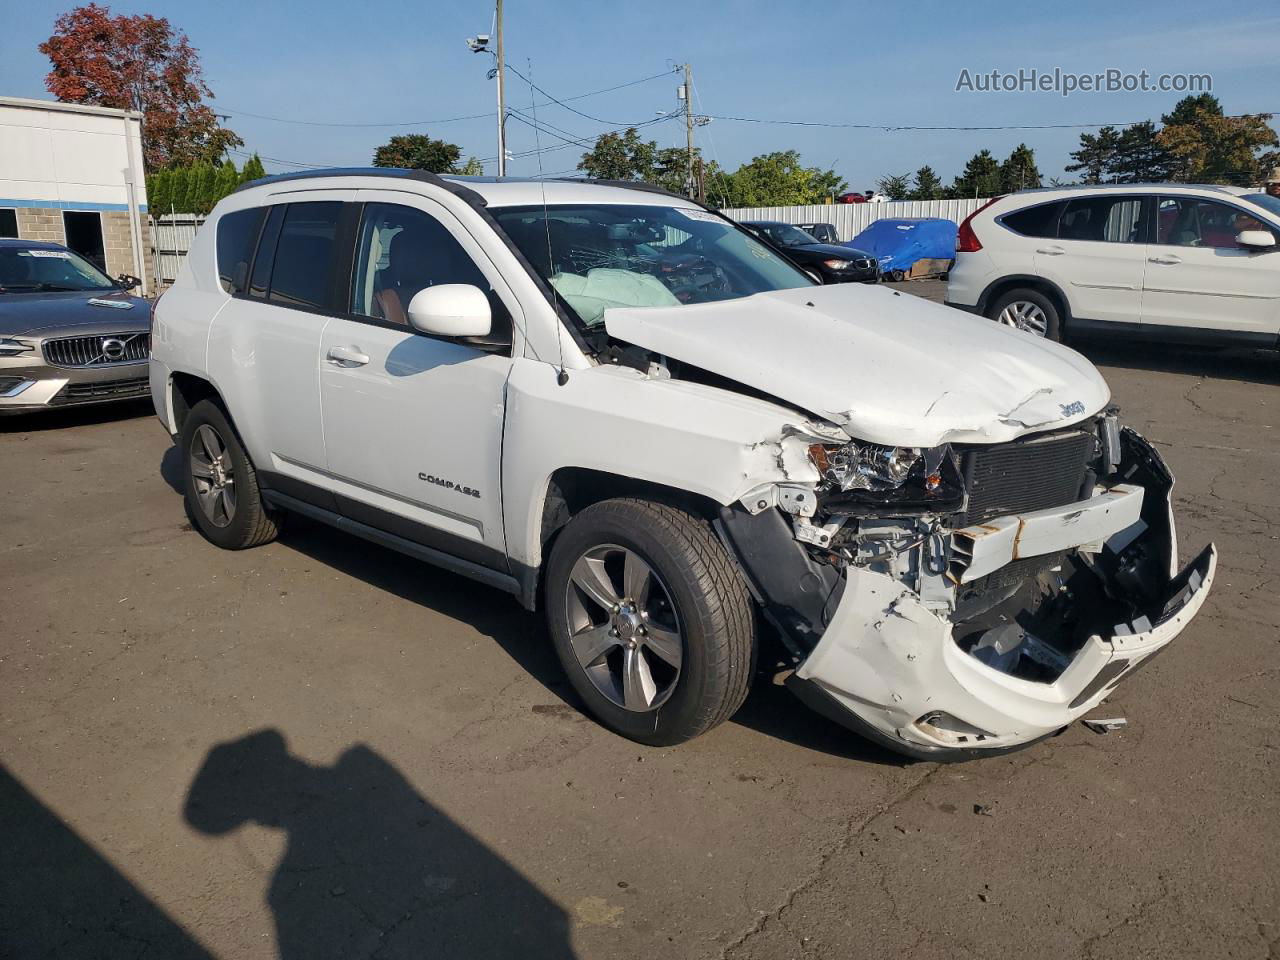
(108, 390)
(1030, 474)
(96, 351)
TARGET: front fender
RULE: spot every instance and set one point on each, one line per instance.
(710, 442)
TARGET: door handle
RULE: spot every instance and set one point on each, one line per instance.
(1168, 258)
(347, 357)
(1051, 251)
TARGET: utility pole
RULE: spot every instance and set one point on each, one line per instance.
(502, 100)
(688, 124)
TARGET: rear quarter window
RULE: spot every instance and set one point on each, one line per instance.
(237, 236)
(1038, 221)
(304, 255)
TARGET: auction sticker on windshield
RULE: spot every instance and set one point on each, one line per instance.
(56, 254)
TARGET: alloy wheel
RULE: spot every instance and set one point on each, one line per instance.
(623, 627)
(213, 476)
(1026, 316)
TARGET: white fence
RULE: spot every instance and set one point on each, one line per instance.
(850, 219)
(171, 238)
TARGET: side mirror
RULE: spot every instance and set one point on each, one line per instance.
(128, 282)
(451, 310)
(1256, 239)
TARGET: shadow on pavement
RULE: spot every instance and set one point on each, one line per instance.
(370, 867)
(774, 711)
(61, 898)
(1261, 366)
(59, 418)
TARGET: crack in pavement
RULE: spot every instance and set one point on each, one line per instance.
(853, 830)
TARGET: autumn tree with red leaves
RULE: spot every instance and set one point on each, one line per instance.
(138, 63)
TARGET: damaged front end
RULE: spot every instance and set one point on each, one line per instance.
(963, 600)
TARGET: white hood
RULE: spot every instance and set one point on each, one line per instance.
(887, 367)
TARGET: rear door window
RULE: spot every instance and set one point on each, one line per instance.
(237, 236)
(303, 272)
(1103, 219)
(1038, 221)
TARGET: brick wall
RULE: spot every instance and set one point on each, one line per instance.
(40, 223)
(117, 240)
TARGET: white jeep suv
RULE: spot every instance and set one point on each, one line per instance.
(1173, 262)
(622, 408)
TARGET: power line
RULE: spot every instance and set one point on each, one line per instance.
(564, 103)
(232, 111)
(895, 128)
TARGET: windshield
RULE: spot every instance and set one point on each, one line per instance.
(620, 255)
(784, 234)
(1265, 201)
(24, 269)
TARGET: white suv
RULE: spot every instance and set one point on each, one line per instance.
(622, 408)
(1175, 262)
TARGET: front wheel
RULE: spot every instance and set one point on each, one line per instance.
(650, 620)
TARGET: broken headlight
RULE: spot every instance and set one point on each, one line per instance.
(889, 478)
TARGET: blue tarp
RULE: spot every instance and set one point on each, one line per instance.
(898, 244)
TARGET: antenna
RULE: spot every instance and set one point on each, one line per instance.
(562, 377)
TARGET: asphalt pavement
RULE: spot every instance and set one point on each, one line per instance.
(320, 748)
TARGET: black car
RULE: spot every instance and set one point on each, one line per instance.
(69, 334)
(832, 264)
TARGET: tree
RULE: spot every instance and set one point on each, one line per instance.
(620, 157)
(1139, 157)
(1096, 155)
(1206, 147)
(472, 168)
(1019, 172)
(981, 177)
(895, 187)
(779, 179)
(252, 169)
(138, 63)
(928, 186)
(417, 151)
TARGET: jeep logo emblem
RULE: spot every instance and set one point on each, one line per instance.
(1072, 409)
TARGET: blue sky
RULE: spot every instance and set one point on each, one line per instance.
(386, 60)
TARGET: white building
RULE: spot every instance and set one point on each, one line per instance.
(73, 174)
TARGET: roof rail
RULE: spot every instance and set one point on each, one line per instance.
(399, 173)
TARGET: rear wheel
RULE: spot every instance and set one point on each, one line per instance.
(221, 486)
(1029, 311)
(650, 620)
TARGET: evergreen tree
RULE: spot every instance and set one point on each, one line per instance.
(895, 187)
(928, 186)
(1019, 172)
(1096, 155)
(1139, 157)
(981, 177)
(253, 169)
(226, 181)
(180, 191)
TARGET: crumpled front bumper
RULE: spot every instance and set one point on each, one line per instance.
(886, 663)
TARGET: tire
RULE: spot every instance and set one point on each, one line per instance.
(693, 591)
(238, 518)
(1041, 316)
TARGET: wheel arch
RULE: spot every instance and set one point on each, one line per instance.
(185, 391)
(570, 490)
(998, 288)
